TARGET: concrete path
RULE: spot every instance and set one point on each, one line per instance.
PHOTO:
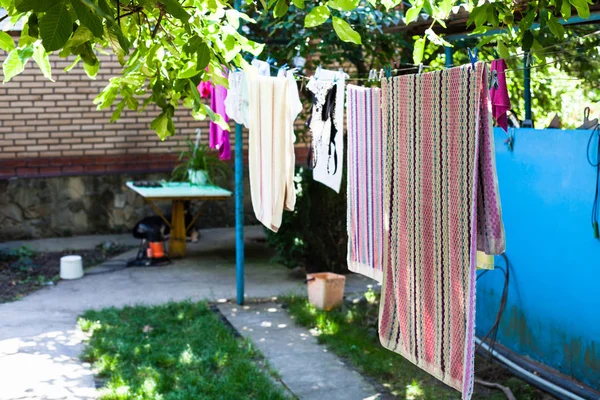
(305, 367)
(39, 341)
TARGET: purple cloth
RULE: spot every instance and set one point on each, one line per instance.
(218, 138)
(499, 95)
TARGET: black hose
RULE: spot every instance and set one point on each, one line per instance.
(595, 206)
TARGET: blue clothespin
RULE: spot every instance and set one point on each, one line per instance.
(473, 56)
(388, 71)
(270, 60)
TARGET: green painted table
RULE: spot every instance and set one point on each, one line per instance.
(178, 193)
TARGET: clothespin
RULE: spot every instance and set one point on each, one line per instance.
(473, 56)
(317, 72)
(380, 75)
(420, 68)
(388, 71)
(370, 78)
(494, 80)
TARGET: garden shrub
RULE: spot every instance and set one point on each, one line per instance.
(313, 235)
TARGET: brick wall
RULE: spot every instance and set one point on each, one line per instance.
(53, 128)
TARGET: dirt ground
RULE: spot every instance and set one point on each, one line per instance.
(23, 271)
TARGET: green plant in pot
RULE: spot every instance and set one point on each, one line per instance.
(199, 165)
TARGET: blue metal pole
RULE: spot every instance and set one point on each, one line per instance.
(239, 214)
(239, 206)
(449, 56)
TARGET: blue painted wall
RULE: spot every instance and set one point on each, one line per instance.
(553, 312)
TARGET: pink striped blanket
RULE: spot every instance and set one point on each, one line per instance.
(442, 201)
(366, 155)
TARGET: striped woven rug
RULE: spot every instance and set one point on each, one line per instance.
(366, 155)
(442, 198)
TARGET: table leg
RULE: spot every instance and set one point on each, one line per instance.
(177, 238)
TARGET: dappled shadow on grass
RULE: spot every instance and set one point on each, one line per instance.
(351, 333)
(175, 351)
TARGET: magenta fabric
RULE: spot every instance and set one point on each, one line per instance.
(218, 138)
(499, 95)
(205, 88)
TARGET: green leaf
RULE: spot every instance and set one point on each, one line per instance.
(188, 71)
(56, 27)
(91, 69)
(343, 5)
(81, 36)
(88, 17)
(419, 50)
(6, 42)
(132, 103)
(565, 9)
(118, 110)
(478, 15)
(345, 31)
(526, 22)
(412, 14)
(175, 9)
(204, 53)
(555, 27)
(34, 5)
(434, 38)
(299, 4)
(281, 8)
(582, 6)
(195, 95)
(111, 34)
(161, 125)
(527, 41)
(316, 16)
(503, 50)
(73, 64)
(12, 66)
(41, 58)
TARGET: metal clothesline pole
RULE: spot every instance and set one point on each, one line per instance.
(527, 88)
(239, 206)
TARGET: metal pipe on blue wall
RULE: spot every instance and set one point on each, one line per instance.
(449, 52)
(239, 206)
(527, 89)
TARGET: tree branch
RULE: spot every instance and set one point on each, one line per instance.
(507, 392)
(155, 31)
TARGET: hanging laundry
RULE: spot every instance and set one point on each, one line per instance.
(441, 195)
(274, 105)
(327, 127)
(236, 103)
(366, 157)
(499, 94)
(218, 138)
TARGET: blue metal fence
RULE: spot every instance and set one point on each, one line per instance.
(553, 310)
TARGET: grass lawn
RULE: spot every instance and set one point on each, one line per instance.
(175, 351)
(351, 333)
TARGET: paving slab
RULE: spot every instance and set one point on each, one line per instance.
(305, 367)
(39, 339)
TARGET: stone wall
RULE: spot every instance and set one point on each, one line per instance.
(92, 204)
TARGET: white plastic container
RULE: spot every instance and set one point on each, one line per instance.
(71, 267)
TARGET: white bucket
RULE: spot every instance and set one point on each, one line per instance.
(71, 267)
